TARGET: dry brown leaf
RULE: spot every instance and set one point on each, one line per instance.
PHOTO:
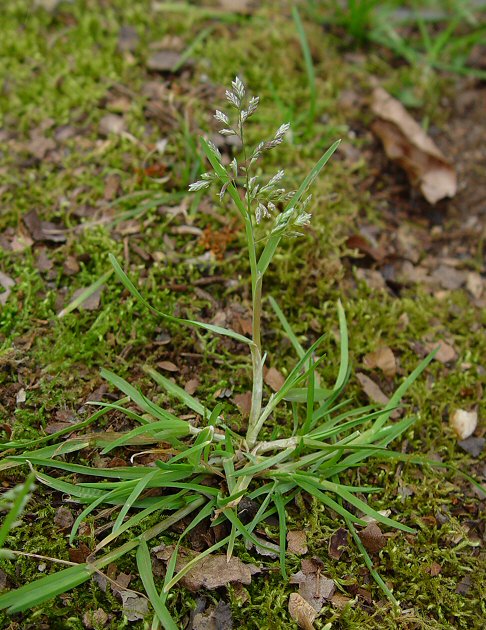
(274, 379)
(340, 601)
(446, 352)
(464, 422)
(168, 366)
(211, 572)
(243, 402)
(7, 283)
(338, 542)
(94, 619)
(163, 60)
(407, 143)
(382, 358)
(314, 587)
(297, 542)
(214, 618)
(92, 302)
(112, 124)
(371, 389)
(301, 611)
(191, 385)
(372, 538)
(64, 518)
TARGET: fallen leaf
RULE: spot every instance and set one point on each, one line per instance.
(464, 585)
(134, 606)
(128, 39)
(70, 266)
(64, 518)
(474, 284)
(445, 354)
(473, 445)
(448, 277)
(371, 519)
(371, 389)
(112, 186)
(168, 366)
(43, 262)
(212, 572)
(406, 142)
(274, 379)
(301, 611)
(340, 601)
(111, 124)
(297, 542)
(464, 422)
(191, 386)
(39, 146)
(43, 230)
(338, 543)
(7, 283)
(163, 61)
(95, 619)
(236, 6)
(434, 569)
(92, 302)
(217, 617)
(382, 358)
(360, 243)
(79, 554)
(314, 587)
(372, 538)
(243, 402)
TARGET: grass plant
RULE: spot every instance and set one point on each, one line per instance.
(210, 467)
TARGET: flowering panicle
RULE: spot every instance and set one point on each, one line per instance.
(262, 199)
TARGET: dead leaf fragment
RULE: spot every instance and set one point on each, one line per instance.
(112, 124)
(314, 587)
(445, 354)
(407, 143)
(92, 302)
(211, 572)
(215, 618)
(301, 611)
(243, 402)
(94, 619)
(43, 230)
(163, 61)
(474, 284)
(168, 366)
(464, 422)
(7, 284)
(64, 518)
(371, 389)
(382, 358)
(191, 386)
(297, 542)
(473, 445)
(274, 379)
(134, 606)
(372, 538)
(434, 569)
(338, 543)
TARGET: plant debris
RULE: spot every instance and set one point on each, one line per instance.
(463, 422)
(382, 358)
(211, 572)
(301, 611)
(297, 542)
(407, 143)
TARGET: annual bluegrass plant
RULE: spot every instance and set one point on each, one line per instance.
(211, 468)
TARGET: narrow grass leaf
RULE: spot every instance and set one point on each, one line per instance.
(144, 565)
